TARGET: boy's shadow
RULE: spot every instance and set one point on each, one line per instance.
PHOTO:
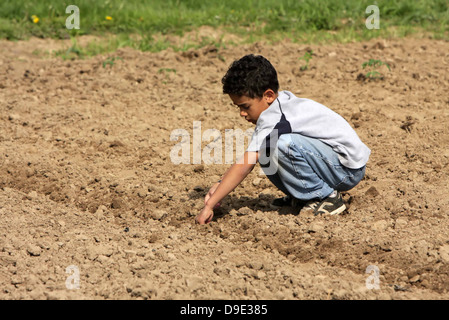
(231, 202)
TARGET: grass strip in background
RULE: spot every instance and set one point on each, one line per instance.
(147, 24)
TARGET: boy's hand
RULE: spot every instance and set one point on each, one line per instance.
(231, 179)
(205, 216)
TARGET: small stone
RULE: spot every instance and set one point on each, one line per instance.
(372, 192)
(13, 117)
(101, 210)
(256, 265)
(153, 198)
(193, 283)
(401, 223)
(32, 195)
(256, 181)
(142, 193)
(7, 260)
(380, 225)
(267, 191)
(444, 252)
(34, 250)
(153, 237)
(16, 279)
(116, 204)
(316, 226)
(171, 256)
(199, 168)
(356, 116)
(244, 211)
(116, 143)
(130, 253)
(157, 214)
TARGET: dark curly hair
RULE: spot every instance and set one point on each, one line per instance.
(251, 76)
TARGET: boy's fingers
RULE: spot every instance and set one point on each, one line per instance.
(199, 220)
(209, 219)
(204, 217)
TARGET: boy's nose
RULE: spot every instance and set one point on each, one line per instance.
(243, 113)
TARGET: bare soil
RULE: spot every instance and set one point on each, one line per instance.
(86, 178)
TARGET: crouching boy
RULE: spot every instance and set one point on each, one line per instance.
(306, 150)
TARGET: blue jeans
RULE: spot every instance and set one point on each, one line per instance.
(309, 169)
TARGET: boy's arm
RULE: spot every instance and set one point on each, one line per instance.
(230, 180)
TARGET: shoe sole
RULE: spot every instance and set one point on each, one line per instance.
(335, 212)
(338, 210)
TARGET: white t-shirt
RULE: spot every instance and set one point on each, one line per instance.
(314, 120)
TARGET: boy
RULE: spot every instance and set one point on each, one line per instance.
(309, 152)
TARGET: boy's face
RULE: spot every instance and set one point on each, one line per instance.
(251, 108)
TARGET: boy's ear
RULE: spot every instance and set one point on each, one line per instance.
(269, 95)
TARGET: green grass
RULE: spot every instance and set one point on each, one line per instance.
(134, 22)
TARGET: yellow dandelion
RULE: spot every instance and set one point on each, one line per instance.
(108, 18)
(35, 18)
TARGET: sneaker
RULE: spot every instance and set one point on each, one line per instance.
(289, 201)
(311, 204)
(331, 205)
